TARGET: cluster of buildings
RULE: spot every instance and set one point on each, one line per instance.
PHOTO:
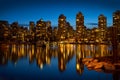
(14, 33)
(42, 31)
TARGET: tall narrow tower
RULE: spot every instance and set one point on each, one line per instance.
(102, 26)
(102, 22)
(79, 20)
(62, 27)
(31, 26)
(80, 28)
(116, 19)
(116, 23)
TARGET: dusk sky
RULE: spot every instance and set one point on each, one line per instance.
(24, 11)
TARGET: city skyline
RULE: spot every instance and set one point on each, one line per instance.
(42, 31)
(73, 39)
(93, 24)
(25, 11)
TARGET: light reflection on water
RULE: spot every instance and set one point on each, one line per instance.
(60, 61)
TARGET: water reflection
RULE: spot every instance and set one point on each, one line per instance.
(63, 54)
(42, 56)
(79, 64)
(93, 50)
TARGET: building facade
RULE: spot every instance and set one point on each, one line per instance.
(4, 31)
(80, 28)
(64, 32)
(62, 28)
(116, 23)
(102, 26)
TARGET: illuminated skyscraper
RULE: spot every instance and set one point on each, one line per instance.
(116, 18)
(41, 30)
(31, 35)
(31, 26)
(116, 23)
(80, 28)
(102, 26)
(4, 31)
(62, 27)
(14, 31)
(49, 30)
(70, 30)
(102, 22)
(79, 20)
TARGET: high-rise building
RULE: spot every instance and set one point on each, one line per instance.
(31, 35)
(4, 31)
(70, 30)
(62, 27)
(116, 18)
(20, 35)
(102, 26)
(14, 31)
(79, 20)
(116, 23)
(80, 28)
(49, 30)
(102, 22)
(41, 30)
(31, 26)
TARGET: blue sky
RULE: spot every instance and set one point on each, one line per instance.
(24, 11)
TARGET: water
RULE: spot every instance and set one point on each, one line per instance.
(59, 62)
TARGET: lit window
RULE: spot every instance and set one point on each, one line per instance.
(39, 24)
(77, 20)
(61, 19)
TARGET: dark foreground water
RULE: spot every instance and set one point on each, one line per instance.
(59, 62)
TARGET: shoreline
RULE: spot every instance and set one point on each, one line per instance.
(102, 64)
